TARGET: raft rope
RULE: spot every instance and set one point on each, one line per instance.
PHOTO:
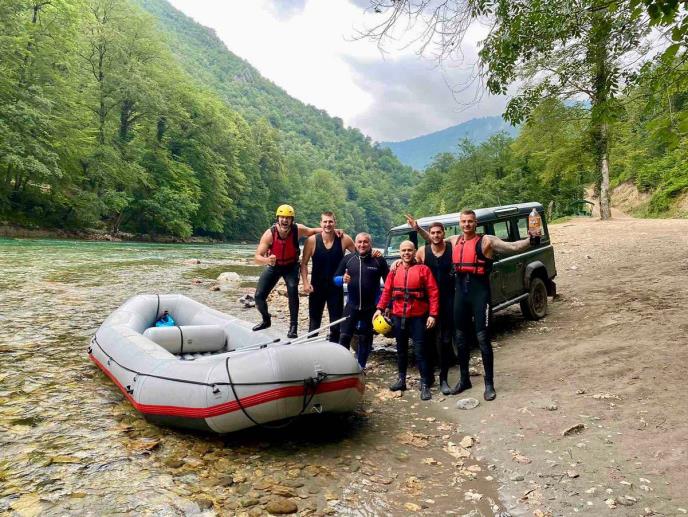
(312, 383)
(208, 384)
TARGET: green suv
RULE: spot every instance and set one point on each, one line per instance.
(525, 278)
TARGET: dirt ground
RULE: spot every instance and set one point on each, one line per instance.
(611, 355)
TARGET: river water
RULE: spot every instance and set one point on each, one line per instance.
(70, 443)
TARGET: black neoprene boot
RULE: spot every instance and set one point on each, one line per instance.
(490, 393)
(425, 392)
(400, 385)
(464, 380)
(263, 324)
(293, 332)
(444, 387)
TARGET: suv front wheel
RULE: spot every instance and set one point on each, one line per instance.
(535, 306)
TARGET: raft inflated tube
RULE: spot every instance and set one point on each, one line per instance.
(188, 338)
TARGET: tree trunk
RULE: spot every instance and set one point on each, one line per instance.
(605, 211)
(598, 55)
(102, 110)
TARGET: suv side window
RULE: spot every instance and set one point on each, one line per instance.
(523, 228)
(501, 230)
(452, 229)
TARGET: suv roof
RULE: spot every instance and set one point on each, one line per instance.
(482, 215)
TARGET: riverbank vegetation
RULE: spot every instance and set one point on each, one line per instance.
(127, 116)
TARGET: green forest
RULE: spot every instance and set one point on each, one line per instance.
(131, 117)
(127, 116)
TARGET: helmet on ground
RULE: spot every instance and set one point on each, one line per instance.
(285, 211)
(382, 325)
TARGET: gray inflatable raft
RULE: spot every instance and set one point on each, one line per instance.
(212, 372)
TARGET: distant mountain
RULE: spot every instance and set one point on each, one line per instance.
(418, 152)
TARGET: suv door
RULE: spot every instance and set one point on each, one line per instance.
(501, 268)
(515, 265)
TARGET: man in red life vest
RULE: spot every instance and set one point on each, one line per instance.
(472, 257)
(327, 251)
(278, 249)
(415, 296)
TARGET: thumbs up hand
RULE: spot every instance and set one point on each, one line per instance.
(347, 276)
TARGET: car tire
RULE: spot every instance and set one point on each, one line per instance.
(535, 306)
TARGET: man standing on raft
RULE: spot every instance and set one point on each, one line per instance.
(279, 251)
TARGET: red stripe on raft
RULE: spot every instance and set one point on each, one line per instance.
(231, 406)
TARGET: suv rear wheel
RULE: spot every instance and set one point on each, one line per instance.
(535, 306)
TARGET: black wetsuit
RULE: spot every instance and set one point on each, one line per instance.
(472, 307)
(442, 333)
(366, 272)
(325, 263)
(271, 275)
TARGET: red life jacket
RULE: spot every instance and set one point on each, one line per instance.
(286, 250)
(465, 256)
(412, 290)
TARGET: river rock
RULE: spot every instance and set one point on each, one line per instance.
(574, 429)
(204, 503)
(229, 277)
(467, 403)
(247, 301)
(467, 442)
(281, 506)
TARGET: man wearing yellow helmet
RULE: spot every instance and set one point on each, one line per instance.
(279, 250)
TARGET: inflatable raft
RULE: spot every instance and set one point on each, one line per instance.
(212, 372)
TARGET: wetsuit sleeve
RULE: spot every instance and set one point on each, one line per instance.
(433, 292)
(386, 293)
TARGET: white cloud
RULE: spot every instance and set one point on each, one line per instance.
(308, 47)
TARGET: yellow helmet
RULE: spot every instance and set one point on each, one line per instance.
(285, 211)
(382, 325)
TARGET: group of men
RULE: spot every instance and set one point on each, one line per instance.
(439, 294)
(362, 269)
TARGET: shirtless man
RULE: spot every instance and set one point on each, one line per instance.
(472, 257)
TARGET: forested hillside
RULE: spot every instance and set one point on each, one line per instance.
(112, 117)
(418, 152)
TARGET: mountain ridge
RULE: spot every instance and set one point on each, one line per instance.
(419, 151)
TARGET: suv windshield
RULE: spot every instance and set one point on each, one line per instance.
(395, 239)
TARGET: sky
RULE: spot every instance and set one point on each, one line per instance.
(310, 49)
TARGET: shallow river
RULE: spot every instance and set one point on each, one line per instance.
(71, 444)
